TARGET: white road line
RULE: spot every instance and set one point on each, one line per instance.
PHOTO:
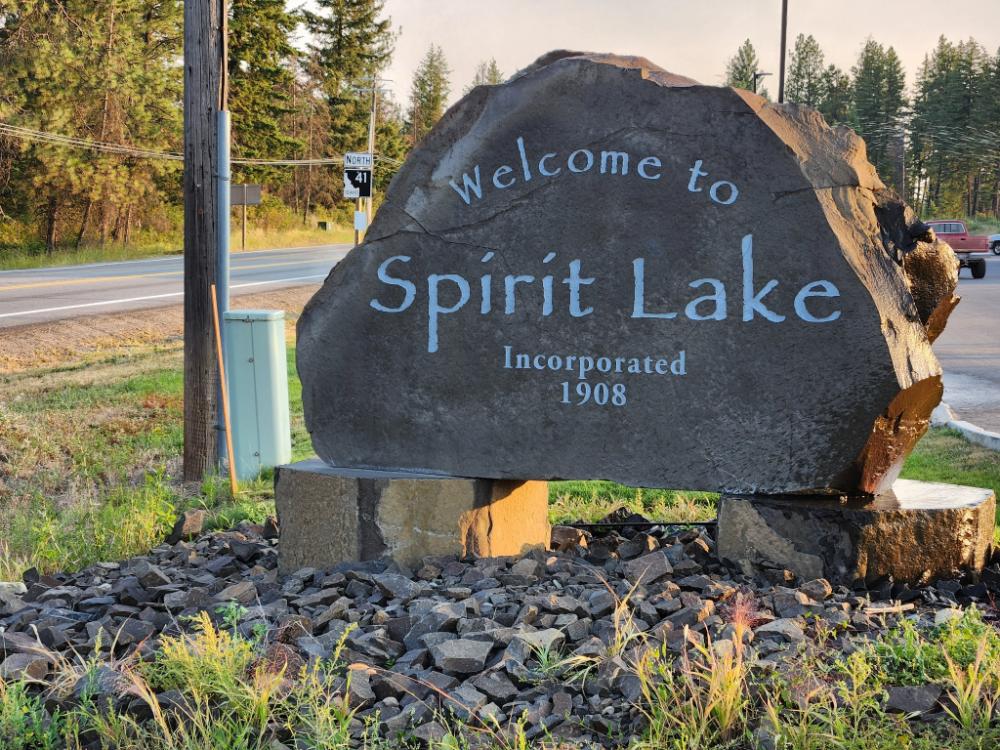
(152, 296)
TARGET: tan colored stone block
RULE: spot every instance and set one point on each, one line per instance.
(329, 515)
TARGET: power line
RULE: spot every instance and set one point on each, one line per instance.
(41, 136)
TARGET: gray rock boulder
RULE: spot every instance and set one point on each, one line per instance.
(601, 270)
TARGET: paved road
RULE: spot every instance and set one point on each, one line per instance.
(969, 350)
(46, 294)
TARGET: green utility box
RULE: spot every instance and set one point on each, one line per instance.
(257, 374)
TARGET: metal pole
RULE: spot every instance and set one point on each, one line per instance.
(784, 44)
(222, 257)
(223, 207)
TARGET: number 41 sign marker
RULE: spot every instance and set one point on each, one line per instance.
(357, 183)
(358, 175)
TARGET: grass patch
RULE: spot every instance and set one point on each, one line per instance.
(227, 693)
(908, 657)
(591, 501)
(943, 455)
(90, 465)
(826, 698)
(983, 225)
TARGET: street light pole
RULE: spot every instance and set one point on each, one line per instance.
(784, 44)
(756, 79)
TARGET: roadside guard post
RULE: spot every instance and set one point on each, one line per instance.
(257, 374)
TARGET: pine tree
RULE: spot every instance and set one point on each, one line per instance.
(836, 102)
(879, 103)
(741, 68)
(428, 94)
(487, 74)
(391, 144)
(260, 80)
(806, 84)
(352, 44)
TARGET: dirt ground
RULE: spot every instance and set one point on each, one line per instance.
(97, 337)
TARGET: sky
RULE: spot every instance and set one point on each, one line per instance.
(694, 38)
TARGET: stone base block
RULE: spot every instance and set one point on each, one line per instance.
(917, 533)
(329, 515)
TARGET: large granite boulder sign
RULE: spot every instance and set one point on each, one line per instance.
(603, 270)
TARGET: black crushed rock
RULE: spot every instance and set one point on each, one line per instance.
(477, 638)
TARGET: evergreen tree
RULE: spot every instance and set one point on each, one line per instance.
(879, 103)
(260, 80)
(806, 75)
(352, 44)
(428, 94)
(837, 99)
(391, 144)
(741, 68)
(487, 74)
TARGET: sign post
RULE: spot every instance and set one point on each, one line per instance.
(245, 195)
(358, 184)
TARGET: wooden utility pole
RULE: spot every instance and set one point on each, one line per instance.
(202, 80)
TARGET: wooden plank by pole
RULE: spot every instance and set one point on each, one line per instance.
(244, 232)
(202, 81)
(224, 387)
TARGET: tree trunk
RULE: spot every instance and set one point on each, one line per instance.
(128, 225)
(308, 195)
(52, 214)
(309, 170)
(996, 191)
(83, 223)
(202, 84)
(104, 224)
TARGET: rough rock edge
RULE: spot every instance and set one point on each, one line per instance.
(930, 277)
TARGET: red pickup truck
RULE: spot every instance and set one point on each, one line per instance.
(965, 245)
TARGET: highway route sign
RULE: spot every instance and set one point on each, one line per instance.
(357, 183)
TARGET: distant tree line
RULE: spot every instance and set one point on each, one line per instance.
(301, 85)
(944, 135)
(110, 71)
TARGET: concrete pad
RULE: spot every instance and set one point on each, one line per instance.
(328, 515)
(919, 532)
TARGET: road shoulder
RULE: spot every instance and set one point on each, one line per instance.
(94, 337)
